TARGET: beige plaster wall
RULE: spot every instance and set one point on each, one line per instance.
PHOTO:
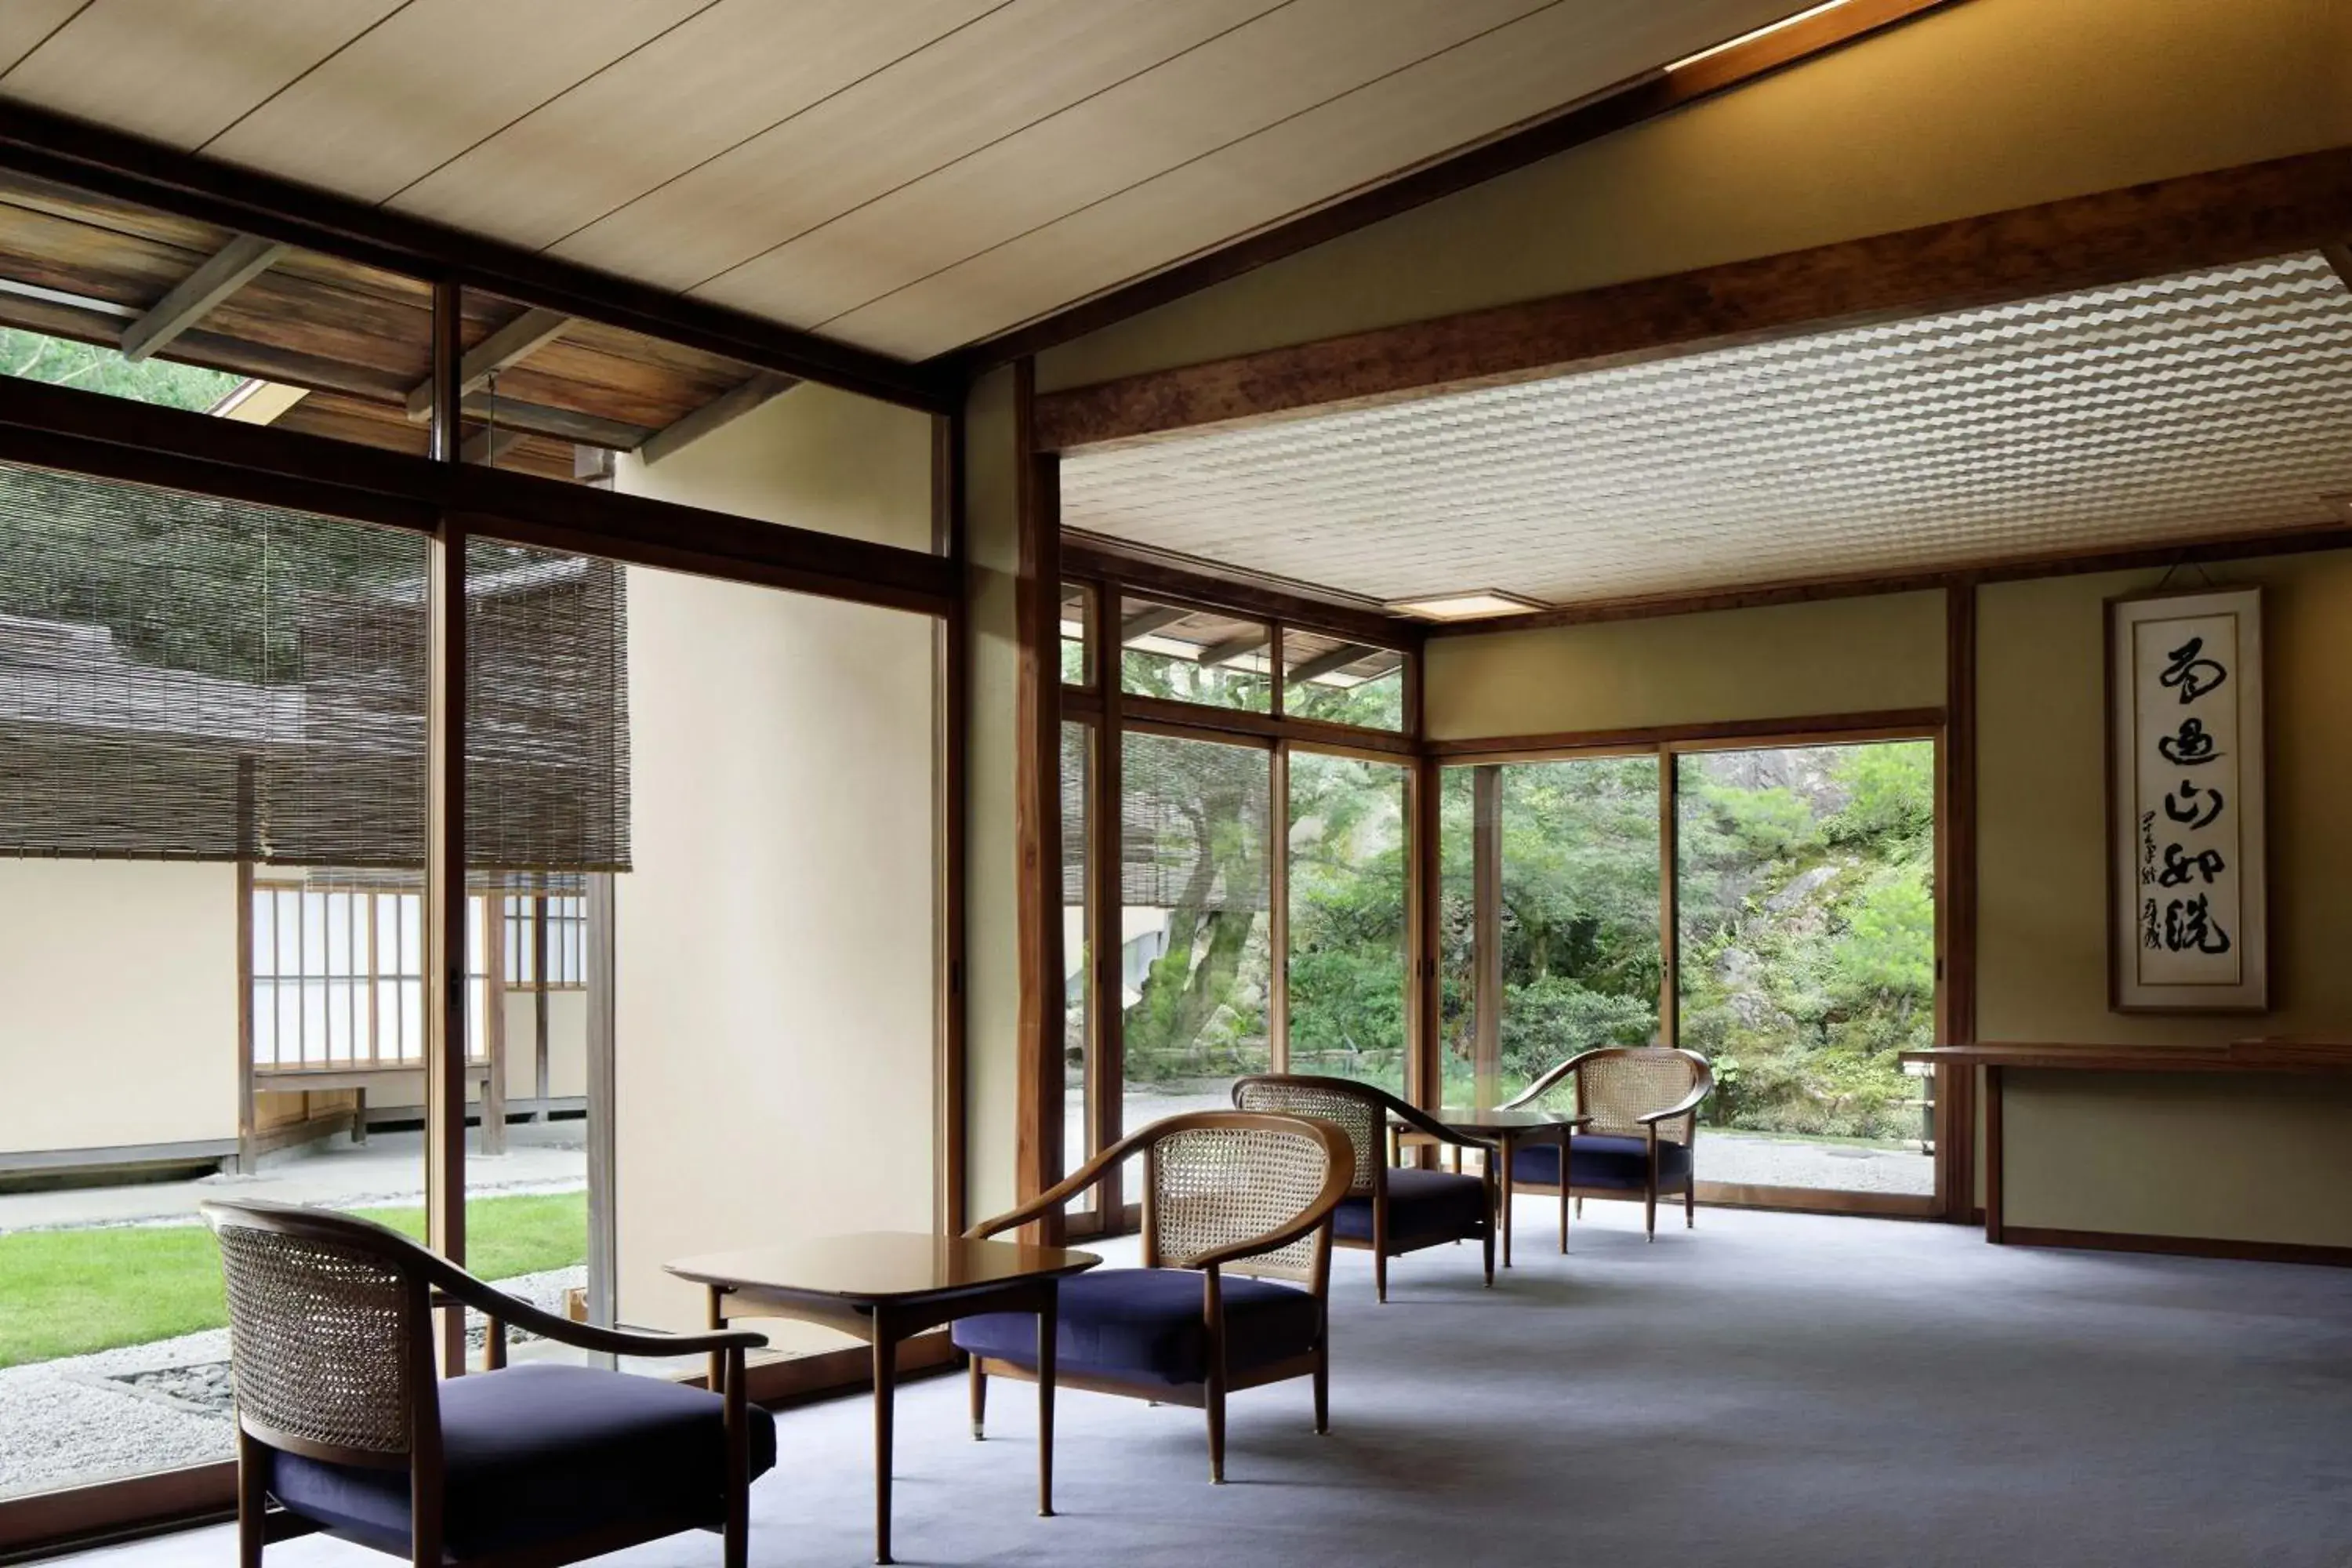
(1837, 655)
(774, 1024)
(1988, 105)
(991, 524)
(117, 1003)
(2264, 1160)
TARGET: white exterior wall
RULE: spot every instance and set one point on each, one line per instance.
(117, 1003)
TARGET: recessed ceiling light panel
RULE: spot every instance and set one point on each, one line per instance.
(1474, 604)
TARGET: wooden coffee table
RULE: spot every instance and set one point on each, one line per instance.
(1506, 1130)
(886, 1287)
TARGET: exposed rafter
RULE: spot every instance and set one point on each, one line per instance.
(726, 408)
(230, 268)
(1143, 623)
(518, 339)
(1324, 663)
(488, 444)
(1233, 648)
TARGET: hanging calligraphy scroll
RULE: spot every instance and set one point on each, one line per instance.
(2185, 803)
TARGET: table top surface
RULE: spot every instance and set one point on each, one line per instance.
(1496, 1118)
(881, 1265)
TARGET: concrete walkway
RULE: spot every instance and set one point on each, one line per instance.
(389, 1169)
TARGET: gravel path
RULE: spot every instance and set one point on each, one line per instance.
(143, 1407)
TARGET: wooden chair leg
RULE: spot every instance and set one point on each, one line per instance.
(1381, 1276)
(1690, 1203)
(979, 1401)
(736, 1539)
(1489, 1239)
(1323, 1389)
(252, 1501)
(1650, 1210)
(1215, 1403)
(1563, 1211)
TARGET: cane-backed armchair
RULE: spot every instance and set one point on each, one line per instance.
(1643, 1103)
(1389, 1210)
(343, 1425)
(1236, 1272)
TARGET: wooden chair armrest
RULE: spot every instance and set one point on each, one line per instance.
(1547, 1082)
(1062, 1192)
(1421, 1121)
(453, 1286)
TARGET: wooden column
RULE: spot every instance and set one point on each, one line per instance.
(1955, 888)
(1037, 810)
(1105, 907)
(1670, 1020)
(1425, 1000)
(952, 708)
(1277, 865)
(445, 845)
(1487, 945)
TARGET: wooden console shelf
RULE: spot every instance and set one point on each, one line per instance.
(1997, 1057)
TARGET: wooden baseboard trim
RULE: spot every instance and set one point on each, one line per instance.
(1814, 1200)
(2179, 1246)
(87, 1516)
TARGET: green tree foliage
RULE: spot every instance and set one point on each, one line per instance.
(33, 356)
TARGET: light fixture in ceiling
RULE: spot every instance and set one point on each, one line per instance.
(1767, 30)
(1475, 604)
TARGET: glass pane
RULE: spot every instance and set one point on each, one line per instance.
(1194, 656)
(1342, 682)
(1193, 965)
(1078, 1058)
(178, 705)
(1805, 894)
(1580, 910)
(1077, 618)
(1348, 919)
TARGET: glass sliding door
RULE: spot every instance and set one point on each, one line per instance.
(1195, 962)
(1577, 922)
(1346, 883)
(212, 825)
(1805, 908)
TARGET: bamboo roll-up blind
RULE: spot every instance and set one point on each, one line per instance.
(189, 678)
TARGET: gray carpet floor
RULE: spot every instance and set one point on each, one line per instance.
(1769, 1389)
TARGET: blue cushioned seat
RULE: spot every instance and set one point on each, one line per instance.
(1421, 1205)
(1602, 1160)
(537, 1453)
(1147, 1322)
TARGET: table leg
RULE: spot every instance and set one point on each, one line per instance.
(886, 1389)
(1048, 1323)
(717, 1382)
(1503, 1190)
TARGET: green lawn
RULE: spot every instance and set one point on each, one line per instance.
(69, 1293)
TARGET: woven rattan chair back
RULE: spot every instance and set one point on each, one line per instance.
(1359, 1109)
(1618, 1088)
(324, 1333)
(1212, 1188)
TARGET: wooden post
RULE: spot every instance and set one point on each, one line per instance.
(951, 688)
(1670, 1021)
(1105, 908)
(1487, 945)
(1955, 909)
(445, 845)
(1424, 895)
(1278, 832)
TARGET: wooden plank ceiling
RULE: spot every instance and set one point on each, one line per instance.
(909, 177)
(2203, 405)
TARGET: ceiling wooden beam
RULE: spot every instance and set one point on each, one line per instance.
(490, 443)
(1628, 103)
(1325, 662)
(1237, 648)
(230, 268)
(509, 344)
(1207, 586)
(561, 424)
(2209, 219)
(723, 409)
(1143, 623)
(131, 168)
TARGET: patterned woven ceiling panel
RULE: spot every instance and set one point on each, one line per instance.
(2216, 402)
